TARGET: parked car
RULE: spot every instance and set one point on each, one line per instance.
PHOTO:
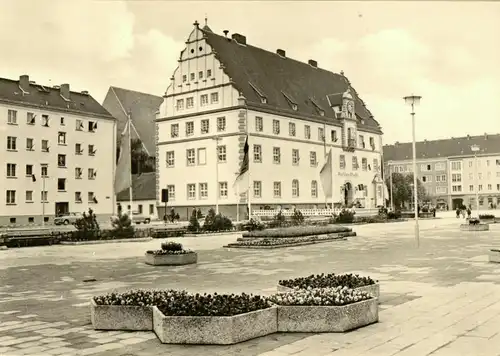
(67, 219)
(139, 218)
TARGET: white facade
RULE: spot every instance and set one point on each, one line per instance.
(144, 208)
(31, 146)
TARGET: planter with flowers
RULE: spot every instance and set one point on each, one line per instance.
(332, 280)
(337, 309)
(474, 224)
(213, 319)
(171, 254)
(131, 310)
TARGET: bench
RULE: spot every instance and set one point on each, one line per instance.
(19, 238)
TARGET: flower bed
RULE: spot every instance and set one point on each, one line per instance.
(297, 231)
(474, 227)
(356, 282)
(337, 309)
(269, 243)
(213, 319)
(171, 254)
(209, 233)
(494, 256)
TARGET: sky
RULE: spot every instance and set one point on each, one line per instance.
(446, 52)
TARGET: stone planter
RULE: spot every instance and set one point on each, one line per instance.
(171, 260)
(477, 227)
(494, 256)
(214, 330)
(372, 289)
(121, 317)
(328, 319)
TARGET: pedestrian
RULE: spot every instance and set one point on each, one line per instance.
(469, 212)
(458, 212)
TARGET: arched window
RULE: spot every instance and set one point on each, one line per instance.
(314, 189)
(295, 188)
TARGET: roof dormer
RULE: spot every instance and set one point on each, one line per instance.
(293, 103)
(260, 93)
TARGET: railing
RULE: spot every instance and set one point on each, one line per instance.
(314, 212)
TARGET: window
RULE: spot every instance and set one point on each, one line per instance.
(471, 187)
(10, 197)
(11, 170)
(364, 164)
(257, 153)
(184, 78)
(257, 189)
(498, 187)
(45, 120)
(44, 170)
(202, 156)
(470, 163)
(61, 138)
(209, 73)
(189, 103)
(61, 160)
(333, 135)
(204, 99)
(480, 175)
(91, 197)
(79, 125)
(12, 117)
(295, 188)
(456, 177)
(259, 124)
(221, 154)
(200, 74)
(44, 196)
(488, 162)
(362, 141)
(295, 157)
(480, 187)
(29, 196)
(62, 121)
(471, 176)
(11, 143)
(189, 128)
(276, 127)
(78, 173)
(291, 129)
(30, 118)
(174, 130)
(151, 209)
(29, 170)
(489, 186)
(276, 155)
(277, 189)
(190, 157)
(314, 189)
(191, 191)
(171, 192)
(214, 98)
(307, 132)
(29, 144)
(92, 150)
(170, 159)
(456, 165)
(222, 189)
(376, 167)
(372, 143)
(321, 134)
(92, 126)
(442, 190)
(180, 104)
(61, 184)
(221, 124)
(312, 159)
(457, 188)
(427, 179)
(92, 173)
(205, 126)
(439, 167)
(203, 190)
(355, 163)
(342, 162)
(45, 145)
(441, 178)
(191, 76)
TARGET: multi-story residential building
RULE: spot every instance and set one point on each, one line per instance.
(293, 113)
(447, 168)
(58, 154)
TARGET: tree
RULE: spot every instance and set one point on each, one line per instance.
(402, 189)
(141, 162)
(122, 226)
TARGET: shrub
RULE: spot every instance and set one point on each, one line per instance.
(337, 296)
(199, 214)
(297, 217)
(474, 221)
(194, 224)
(327, 281)
(425, 209)
(217, 222)
(486, 216)
(393, 215)
(297, 231)
(122, 227)
(170, 248)
(279, 219)
(87, 226)
(382, 211)
(253, 225)
(345, 216)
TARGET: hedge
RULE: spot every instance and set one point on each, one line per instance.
(297, 231)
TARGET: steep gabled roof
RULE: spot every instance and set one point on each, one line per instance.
(255, 70)
(143, 188)
(457, 146)
(50, 98)
(142, 108)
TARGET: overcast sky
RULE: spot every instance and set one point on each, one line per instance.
(446, 52)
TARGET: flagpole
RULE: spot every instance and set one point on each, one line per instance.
(130, 158)
(392, 199)
(237, 203)
(249, 202)
(331, 168)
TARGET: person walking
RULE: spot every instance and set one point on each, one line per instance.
(469, 212)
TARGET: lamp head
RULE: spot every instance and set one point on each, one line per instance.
(412, 100)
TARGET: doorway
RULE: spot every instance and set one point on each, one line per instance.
(457, 203)
(348, 193)
(62, 208)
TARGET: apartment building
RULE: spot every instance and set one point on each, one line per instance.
(58, 154)
(225, 90)
(447, 168)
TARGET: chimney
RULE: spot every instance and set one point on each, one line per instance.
(64, 91)
(313, 63)
(85, 92)
(281, 52)
(239, 38)
(24, 82)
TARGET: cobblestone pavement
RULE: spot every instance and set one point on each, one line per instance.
(441, 299)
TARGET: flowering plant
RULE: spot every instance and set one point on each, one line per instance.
(170, 248)
(337, 296)
(137, 297)
(327, 281)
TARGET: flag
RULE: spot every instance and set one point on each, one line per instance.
(241, 183)
(326, 175)
(123, 168)
(386, 192)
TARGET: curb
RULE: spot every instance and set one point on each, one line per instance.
(97, 242)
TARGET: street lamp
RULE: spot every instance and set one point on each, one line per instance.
(217, 190)
(414, 100)
(475, 149)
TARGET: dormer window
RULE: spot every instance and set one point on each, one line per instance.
(318, 108)
(209, 73)
(291, 102)
(192, 77)
(260, 93)
(184, 78)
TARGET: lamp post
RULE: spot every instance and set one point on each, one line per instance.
(475, 149)
(414, 100)
(217, 139)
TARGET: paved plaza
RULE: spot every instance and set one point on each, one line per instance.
(441, 299)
